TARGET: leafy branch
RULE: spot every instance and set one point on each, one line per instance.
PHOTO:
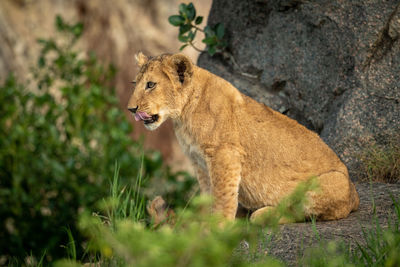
(188, 22)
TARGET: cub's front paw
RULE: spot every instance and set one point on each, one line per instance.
(159, 212)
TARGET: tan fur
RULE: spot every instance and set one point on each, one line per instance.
(243, 151)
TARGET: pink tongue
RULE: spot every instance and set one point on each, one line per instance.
(141, 115)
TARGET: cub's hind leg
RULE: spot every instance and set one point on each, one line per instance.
(336, 197)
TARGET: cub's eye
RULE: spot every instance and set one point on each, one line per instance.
(150, 85)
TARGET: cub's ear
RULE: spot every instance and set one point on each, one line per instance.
(141, 59)
(179, 69)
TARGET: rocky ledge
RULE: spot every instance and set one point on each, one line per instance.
(292, 240)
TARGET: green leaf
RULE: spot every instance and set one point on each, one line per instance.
(184, 28)
(199, 20)
(60, 25)
(183, 38)
(211, 50)
(191, 12)
(41, 62)
(183, 47)
(208, 31)
(176, 20)
(77, 29)
(191, 35)
(209, 40)
(41, 41)
(220, 30)
(183, 9)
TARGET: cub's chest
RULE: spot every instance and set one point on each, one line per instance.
(190, 147)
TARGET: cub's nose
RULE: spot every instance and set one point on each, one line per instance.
(133, 110)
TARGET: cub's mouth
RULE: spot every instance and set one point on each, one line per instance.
(153, 118)
(146, 118)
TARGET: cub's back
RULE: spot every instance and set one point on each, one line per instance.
(273, 139)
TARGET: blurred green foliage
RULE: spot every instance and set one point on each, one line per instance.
(187, 22)
(198, 239)
(194, 238)
(59, 140)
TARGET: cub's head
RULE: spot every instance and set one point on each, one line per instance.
(160, 88)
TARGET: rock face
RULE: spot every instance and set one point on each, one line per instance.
(334, 66)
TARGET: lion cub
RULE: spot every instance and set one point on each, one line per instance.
(242, 151)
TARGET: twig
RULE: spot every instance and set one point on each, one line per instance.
(197, 28)
(195, 48)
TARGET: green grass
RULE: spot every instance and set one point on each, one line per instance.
(71, 246)
(379, 247)
(126, 202)
(381, 163)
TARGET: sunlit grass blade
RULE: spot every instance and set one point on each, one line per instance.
(70, 247)
(41, 260)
